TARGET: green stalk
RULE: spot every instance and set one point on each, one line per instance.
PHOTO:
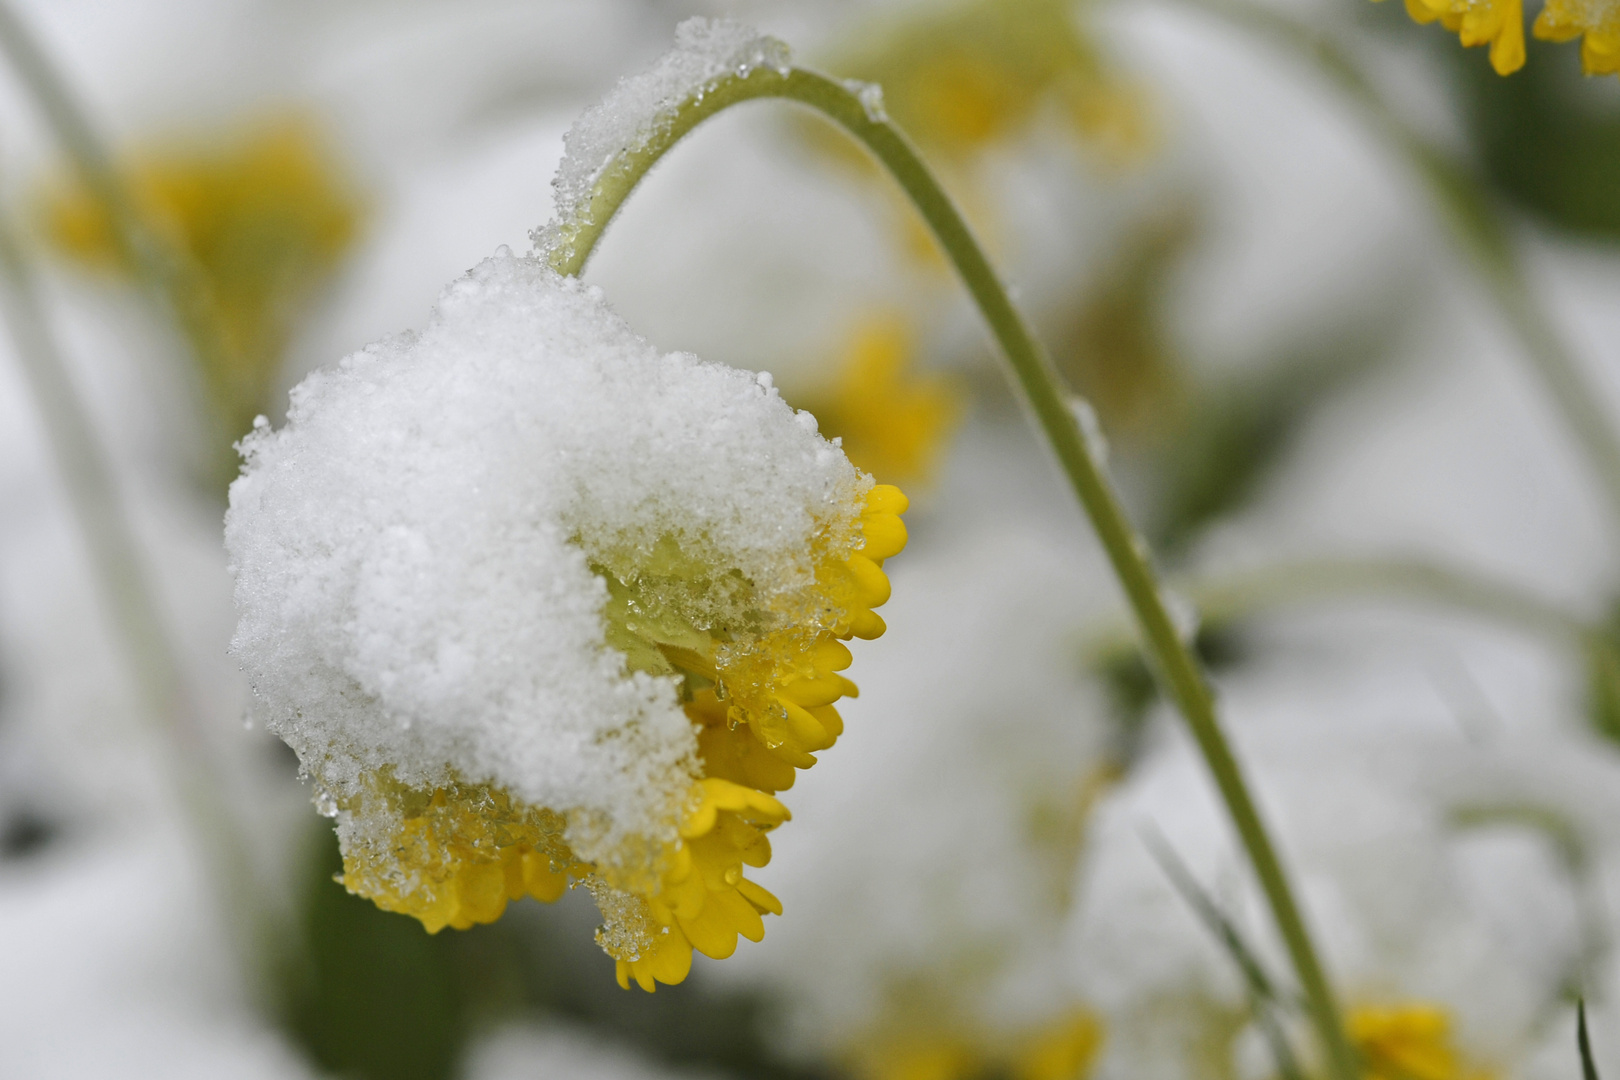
(176, 283)
(1479, 228)
(116, 562)
(1053, 410)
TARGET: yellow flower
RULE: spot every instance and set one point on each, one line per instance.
(1598, 20)
(1063, 1048)
(763, 699)
(1409, 1041)
(1497, 23)
(265, 215)
(893, 422)
(536, 604)
(966, 75)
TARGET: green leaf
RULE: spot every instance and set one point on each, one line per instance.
(376, 997)
(1603, 684)
(1264, 996)
(1588, 1067)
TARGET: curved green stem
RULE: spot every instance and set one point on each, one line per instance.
(1477, 225)
(571, 243)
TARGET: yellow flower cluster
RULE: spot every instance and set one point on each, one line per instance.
(1500, 24)
(1064, 1048)
(457, 854)
(1410, 1041)
(265, 214)
(959, 76)
(763, 704)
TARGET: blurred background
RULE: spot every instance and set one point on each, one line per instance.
(1320, 322)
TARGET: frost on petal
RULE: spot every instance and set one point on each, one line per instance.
(421, 553)
(640, 105)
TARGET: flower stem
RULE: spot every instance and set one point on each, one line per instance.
(1478, 227)
(176, 283)
(1052, 408)
(160, 677)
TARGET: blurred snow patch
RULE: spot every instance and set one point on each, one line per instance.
(525, 1052)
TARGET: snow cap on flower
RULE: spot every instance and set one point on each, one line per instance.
(414, 549)
(534, 601)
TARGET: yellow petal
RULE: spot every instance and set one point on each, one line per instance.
(739, 913)
(829, 718)
(481, 893)
(867, 625)
(830, 654)
(885, 535)
(758, 853)
(870, 580)
(712, 933)
(540, 880)
(806, 729)
(1426, 11)
(808, 693)
(672, 960)
(886, 499)
(759, 896)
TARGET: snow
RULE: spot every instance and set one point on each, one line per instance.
(706, 50)
(417, 552)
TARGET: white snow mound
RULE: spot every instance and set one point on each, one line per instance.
(413, 551)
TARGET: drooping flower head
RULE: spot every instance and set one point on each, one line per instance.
(535, 603)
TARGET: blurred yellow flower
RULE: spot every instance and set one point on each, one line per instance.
(963, 75)
(265, 213)
(1410, 1041)
(1497, 23)
(1064, 1048)
(1598, 20)
(893, 421)
(924, 1056)
(764, 704)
